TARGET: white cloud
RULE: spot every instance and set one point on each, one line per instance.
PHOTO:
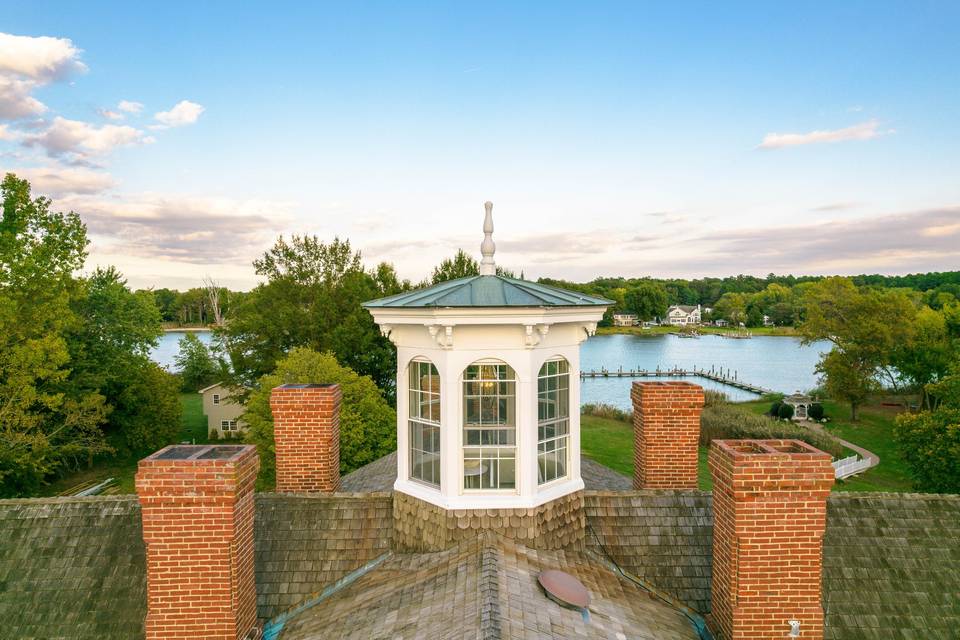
(81, 138)
(182, 113)
(110, 115)
(27, 63)
(58, 181)
(129, 106)
(5, 133)
(181, 229)
(863, 131)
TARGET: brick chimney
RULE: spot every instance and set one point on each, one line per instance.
(196, 502)
(770, 511)
(666, 433)
(306, 433)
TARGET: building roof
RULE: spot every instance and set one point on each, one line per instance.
(488, 291)
(76, 568)
(380, 475)
(486, 588)
(686, 308)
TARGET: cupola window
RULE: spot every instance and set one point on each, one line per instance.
(553, 420)
(489, 427)
(424, 421)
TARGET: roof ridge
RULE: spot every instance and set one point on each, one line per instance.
(490, 628)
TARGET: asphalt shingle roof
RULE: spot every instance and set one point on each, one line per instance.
(488, 291)
(486, 588)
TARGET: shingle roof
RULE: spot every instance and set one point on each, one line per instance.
(72, 568)
(489, 291)
(891, 562)
(380, 474)
(303, 543)
(486, 588)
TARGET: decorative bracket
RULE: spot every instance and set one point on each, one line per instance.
(589, 329)
(386, 330)
(533, 334)
(443, 334)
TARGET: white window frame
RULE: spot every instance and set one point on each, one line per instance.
(415, 418)
(503, 451)
(228, 425)
(561, 418)
(216, 398)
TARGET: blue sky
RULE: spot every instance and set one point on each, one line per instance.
(622, 139)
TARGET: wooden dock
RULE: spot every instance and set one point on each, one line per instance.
(716, 374)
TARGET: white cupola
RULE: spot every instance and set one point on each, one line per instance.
(488, 387)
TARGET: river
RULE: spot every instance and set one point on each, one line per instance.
(779, 363)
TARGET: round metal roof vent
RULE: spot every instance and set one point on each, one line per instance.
(563, 588)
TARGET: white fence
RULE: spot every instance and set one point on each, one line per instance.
(849, 466)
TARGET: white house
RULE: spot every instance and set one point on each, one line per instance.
(682, 315)
(624, 319)
(488, 379)
(222, 410)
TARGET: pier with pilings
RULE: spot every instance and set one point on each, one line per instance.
(721, 375)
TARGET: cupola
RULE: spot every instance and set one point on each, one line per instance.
(488, 387)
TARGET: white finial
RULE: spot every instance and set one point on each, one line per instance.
(487, 266)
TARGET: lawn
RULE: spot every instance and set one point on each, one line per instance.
(665, 329)
(610, 442)
(193, 428)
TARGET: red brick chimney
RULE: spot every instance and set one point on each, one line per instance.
(666, 433)
(196, 502)
(770, 513)
(306, 433)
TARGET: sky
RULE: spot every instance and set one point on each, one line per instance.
(633, 139)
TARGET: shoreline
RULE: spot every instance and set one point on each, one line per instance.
(186, 329)
(663, 330)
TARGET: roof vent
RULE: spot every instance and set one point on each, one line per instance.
(564, 589)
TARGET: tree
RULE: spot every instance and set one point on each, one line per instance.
(864, 325)
(732, 307)
(311, 298)
(648, 300)
(930, 443)
(44, 425)
(214, 292)
(927, 356)
(196, 364)
(461, 265)
(367, 422)
(146, 409)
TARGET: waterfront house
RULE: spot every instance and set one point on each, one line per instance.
(223, 410)
(680, 315)
(625, 320)
(486, 524)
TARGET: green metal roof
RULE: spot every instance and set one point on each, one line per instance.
(488, 291)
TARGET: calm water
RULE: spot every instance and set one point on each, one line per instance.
(778, 363)
(169, 346)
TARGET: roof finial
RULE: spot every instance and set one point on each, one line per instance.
(487, 266)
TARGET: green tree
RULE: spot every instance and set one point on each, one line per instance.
(864, 325)
(146, 409)
(927, 356)
(44, 425)
(311, 298)
(731, 307)
(367, 422)
(196, 364)
(461, 265)
(648, 300)
(930, 443)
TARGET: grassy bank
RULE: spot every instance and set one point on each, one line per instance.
(663, 330)
(193, 428)
(610, 442)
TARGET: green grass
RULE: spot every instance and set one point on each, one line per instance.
(610, 442)
(873, 431)
(193, 428)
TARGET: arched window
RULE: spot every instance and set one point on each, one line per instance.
(553, 420)
(489, 426)
(424, 421)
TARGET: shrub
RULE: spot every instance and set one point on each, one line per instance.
(712, 398)
(368, 425)
(775, 409)
(732, 422)
(608, 411)
(815, 412)
(214, 435)
(785, 412)
(930, 444)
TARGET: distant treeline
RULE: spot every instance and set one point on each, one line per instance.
(747, 298)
